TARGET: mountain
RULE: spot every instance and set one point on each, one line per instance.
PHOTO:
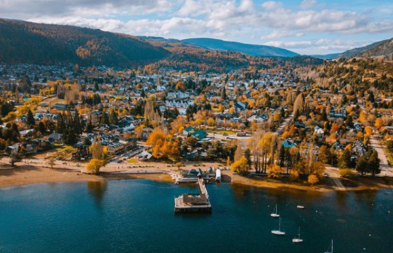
(326, 56)
(358, 51)
(253, 50)
(44, 44)
(25, 42)
(383, 49)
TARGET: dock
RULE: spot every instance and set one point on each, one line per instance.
(194, 202)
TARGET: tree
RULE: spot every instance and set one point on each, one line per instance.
(15, 157)
(298, 106)
(30, 119)
(42, 127)
(362, 165)
(324, 154)
(241, 166)
(378, 123)
(247, 155)
(345, 161)
(373, 163)
(275, 171)
(96, 149)
(312, 179)
(51, 162)
(113, 120)
(93, 167)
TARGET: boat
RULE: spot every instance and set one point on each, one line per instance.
(330, 250)
(300, 207)
(278, 232)
(297, 239)
(275, 214)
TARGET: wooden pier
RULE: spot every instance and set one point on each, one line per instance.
(194, 202)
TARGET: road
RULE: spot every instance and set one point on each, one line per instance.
(377, 145)
(279, 131)
(335, 176)
(281, 128)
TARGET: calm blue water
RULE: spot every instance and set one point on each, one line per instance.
(137, 216)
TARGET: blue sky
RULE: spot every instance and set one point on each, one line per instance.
(303, 26)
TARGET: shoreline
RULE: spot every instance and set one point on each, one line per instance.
(28, 175)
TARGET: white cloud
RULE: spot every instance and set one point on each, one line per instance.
(320, 45)
(271, 5)
(240, 20)
(306, 4)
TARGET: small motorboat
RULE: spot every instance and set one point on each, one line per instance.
(300, 207)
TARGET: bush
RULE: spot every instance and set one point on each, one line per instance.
(347, 173)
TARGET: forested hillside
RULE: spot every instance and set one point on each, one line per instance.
(24, 42)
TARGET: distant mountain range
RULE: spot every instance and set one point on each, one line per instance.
(254, 50)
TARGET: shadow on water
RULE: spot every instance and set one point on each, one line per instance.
(97, 191)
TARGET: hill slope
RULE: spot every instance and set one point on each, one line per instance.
(253, 50)
(25, 42)
(358, 51)
(383, 49)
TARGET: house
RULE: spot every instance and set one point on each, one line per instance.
(145, 155)
(288, 144)
(55, 137)
(188, 130)
(318, 130)
(61, 107)
(199, 134)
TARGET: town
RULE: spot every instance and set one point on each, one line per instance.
(277, 123)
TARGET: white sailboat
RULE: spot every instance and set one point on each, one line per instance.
(275, 214)
(278, 232)
(330, 250)
(297, 239)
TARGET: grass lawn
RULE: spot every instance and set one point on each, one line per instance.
(215, 131)
(132, 160)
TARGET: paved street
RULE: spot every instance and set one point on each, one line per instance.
(377, 145)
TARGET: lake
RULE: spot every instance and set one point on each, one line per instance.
(138, 216)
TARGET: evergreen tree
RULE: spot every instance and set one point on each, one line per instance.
(104, 119)
(362, 165)
(113, 120)
(373, 163)
(247, 155)
(223, 94)
(345, 161)
(30, 119)
(42, 127)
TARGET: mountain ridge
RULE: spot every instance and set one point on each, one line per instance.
(249, 49)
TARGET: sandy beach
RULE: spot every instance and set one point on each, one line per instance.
(35, 172)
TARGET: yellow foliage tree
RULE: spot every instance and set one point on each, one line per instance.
(313, 179)
(240, 166)
(378, 123)
(275, 171)
(93, 167)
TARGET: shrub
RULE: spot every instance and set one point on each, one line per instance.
(347, 173)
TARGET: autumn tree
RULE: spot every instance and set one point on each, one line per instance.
(240, 166)
(378, 123)
(312, 179)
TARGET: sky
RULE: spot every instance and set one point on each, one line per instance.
(302, 26)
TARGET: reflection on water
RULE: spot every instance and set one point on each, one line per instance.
(97, 190)
(137, 216)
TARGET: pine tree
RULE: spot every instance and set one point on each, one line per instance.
(113, 120)
(104, 119)
(30, 119)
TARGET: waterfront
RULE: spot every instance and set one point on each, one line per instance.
(138, 216)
